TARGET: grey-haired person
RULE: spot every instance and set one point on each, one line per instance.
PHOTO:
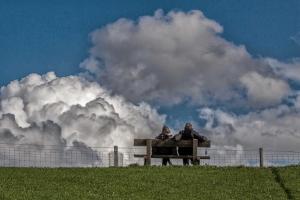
(164, 135)
(188, 134)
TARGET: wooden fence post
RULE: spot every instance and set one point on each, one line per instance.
(116, 156)
(195, 145)
(149, 152)
(261, 157)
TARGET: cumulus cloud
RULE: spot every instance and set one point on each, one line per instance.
(173, 57)
(289, 71)
(264, 91)
(41, 145)
(48, 110)
(275, 129)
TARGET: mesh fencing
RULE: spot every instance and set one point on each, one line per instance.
(78, 156)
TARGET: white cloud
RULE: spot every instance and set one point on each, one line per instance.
(169, 58)
(289, 70)
(81, 110)
(264, 91)
(275, 129)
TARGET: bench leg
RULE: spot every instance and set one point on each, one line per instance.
(196, 162)
(149, 152)
(147, 161)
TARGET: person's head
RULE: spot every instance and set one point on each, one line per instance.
(165, 130)
(188, 127)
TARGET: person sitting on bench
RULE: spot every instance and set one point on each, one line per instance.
(164, 135)
(188, 134)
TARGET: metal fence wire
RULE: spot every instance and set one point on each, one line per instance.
(77, 156)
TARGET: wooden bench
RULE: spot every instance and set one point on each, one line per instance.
(149, 143)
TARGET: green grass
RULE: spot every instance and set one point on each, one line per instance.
(291, 180)
(149, 183)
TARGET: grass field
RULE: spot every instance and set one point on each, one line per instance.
(150, 183)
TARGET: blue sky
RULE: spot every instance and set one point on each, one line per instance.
(42, 36)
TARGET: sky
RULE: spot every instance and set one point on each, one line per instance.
(231, 67)
(42, 36)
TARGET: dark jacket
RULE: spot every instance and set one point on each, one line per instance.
(189, 135)
(164, 150)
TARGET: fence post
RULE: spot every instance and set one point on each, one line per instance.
(149, 152)
(261, 157)
(195, 145)
(116, 156)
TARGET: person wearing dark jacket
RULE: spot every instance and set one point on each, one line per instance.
(188, 134)
(164, 135)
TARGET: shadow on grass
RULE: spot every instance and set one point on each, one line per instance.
(279, 180)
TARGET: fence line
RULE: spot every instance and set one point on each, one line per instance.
(25, 155)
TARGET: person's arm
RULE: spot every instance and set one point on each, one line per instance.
(169, 136)
(201, 138)
(158, 137)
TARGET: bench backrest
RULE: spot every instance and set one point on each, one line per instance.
(169, 143)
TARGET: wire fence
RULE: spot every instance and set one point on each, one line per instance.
(82, 156)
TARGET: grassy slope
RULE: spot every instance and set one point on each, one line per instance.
(146, 183)
(291, 180)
